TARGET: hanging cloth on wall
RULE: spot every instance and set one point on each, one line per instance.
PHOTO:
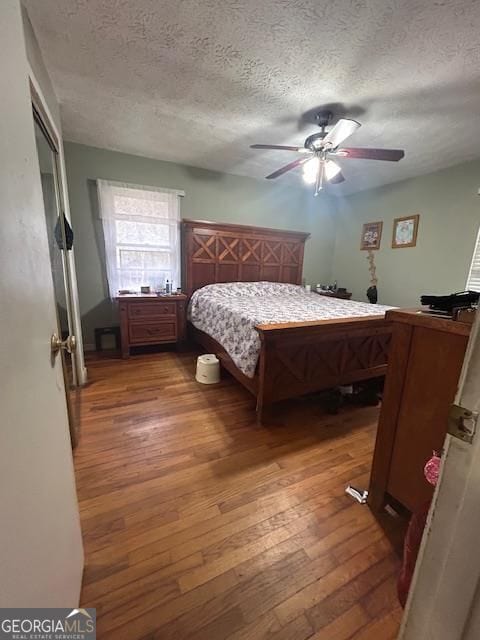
(372, 291)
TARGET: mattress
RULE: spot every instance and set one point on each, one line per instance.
(230, 312)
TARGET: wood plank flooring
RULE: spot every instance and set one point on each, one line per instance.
(199, 525)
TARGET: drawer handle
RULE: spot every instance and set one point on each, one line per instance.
(139, 312)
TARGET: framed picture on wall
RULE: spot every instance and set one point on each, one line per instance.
(371, 236)
(405, 232)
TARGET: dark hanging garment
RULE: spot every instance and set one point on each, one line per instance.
(68, 233)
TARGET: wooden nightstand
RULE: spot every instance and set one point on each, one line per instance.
(346, 295)
(151, 319)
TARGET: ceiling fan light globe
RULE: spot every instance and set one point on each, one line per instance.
(331, 169)
(310, 170)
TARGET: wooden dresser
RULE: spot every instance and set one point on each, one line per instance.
(151, 319)
(425, 360)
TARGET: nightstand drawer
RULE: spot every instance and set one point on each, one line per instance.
(153, 332)
(150, 309)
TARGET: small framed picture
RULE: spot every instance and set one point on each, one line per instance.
(405, 232)
(371, 236)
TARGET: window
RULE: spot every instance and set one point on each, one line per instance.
(141, 231)
(473, 280)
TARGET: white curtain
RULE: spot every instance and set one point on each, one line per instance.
(141, 227)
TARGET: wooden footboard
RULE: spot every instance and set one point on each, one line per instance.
(300, 358)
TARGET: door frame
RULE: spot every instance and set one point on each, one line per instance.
(40, 105)
(444, 598)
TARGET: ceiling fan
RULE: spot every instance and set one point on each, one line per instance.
(319, 149)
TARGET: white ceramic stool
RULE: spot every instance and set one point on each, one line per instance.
(208, 369)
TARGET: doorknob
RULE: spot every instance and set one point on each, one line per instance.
(69, 344)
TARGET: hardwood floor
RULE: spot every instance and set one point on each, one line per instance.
(199, 525)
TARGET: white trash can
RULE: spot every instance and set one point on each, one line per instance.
(208, 369)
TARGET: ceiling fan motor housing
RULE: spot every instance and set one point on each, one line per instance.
(314, 141)
(324, 118)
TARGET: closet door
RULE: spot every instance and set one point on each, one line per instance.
(60, 236)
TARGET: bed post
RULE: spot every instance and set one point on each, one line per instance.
(263, 401)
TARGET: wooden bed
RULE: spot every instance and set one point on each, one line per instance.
(295, 358)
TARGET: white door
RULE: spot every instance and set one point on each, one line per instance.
(444, 602)
(41, 555)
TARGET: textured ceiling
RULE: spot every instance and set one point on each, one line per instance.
(198, 81)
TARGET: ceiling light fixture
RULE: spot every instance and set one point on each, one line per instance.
(321, 146)
(318, 169)
(331, 169)
(310, 170)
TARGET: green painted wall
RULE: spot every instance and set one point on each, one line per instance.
(209, 196)
(449, 209)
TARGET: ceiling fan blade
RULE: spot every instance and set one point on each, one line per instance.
(341, 131)
(287, 167)
(359, 153)
(280, 147)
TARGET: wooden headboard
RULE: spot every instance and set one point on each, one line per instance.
(215, 252)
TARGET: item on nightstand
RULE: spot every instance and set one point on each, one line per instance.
(330, 292)
(168, 287)
(145, 290)
(208, 369)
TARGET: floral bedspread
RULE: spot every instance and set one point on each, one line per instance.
(229, 313)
